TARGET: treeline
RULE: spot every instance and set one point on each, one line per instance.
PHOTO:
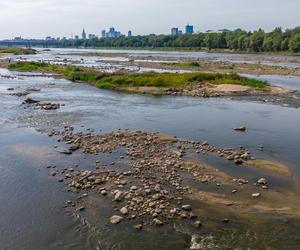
(239, 40)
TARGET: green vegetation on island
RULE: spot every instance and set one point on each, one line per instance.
(17, 51)
(121, 80)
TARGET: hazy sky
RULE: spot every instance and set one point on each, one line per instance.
(39, 18)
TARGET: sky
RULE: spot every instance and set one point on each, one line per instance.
(59, 18)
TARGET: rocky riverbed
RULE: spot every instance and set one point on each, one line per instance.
(153, 190)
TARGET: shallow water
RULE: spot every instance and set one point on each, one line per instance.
(292, 82)
(83, 57)
(32, 203)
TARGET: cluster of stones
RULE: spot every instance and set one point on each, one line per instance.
(154, 188)
(195, 92)
(24, 93)
(42, 105)
(238, 156)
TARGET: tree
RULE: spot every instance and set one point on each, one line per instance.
(257, 40)
(294, 45)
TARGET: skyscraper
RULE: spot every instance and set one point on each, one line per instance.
(189, 29)
(103, 33)
(83, 35)
(129, 33)
(174, 31)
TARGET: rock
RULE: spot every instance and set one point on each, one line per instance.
(53, 173)
(186, 207)
(148, 191)
(205, 143)
(262, 181)
(74, 148)
(256, 195)
(119, 195)
(10, 89)
(81, 208)
(225, 220)
(98, 181)
(197, 223)
(30, 101)
(66, 152)
(238, 161)
(138, 226)
(233, 191)
(133, 188)
(103, 192)
(230, 157)
(157, 222)
(157, 188)
(124, 210)
(242, 129)
(116, 219)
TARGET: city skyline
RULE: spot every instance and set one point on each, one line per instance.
(38, 19)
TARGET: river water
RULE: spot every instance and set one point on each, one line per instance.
(32, 203)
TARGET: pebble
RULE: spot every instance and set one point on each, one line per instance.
(133, 188)
(256, 195)
(186, 207)
(119, 195)
(138, 226)
(197, 223)
(242, 129)
(124, 210)
(158, 222)
(116, 219)
(262, 181)
(103, 192)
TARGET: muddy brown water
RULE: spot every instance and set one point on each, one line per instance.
(32, 203)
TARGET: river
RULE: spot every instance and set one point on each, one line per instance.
(32, 203)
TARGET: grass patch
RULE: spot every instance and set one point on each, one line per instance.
(124, 80)
(17, 51)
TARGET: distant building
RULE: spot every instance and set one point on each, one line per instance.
(103, 33)
(83, 35)
(174, 31)
(189, 29)
(129, 33)
(92, 36)
(111, 33)
(76, 37)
